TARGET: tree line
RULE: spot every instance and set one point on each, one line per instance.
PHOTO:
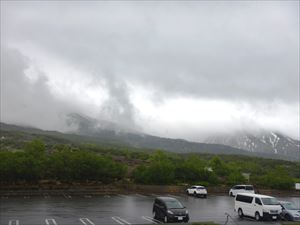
(65, 163)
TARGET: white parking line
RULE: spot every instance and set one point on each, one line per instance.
(123, 220)
(46, 195)
(11, 222)
(53, 222)
(67, 196)
(139, 195)
(149, 219)
(122, 196)
(173, 196)
(86, 221)
(88, 196)
(120, 220)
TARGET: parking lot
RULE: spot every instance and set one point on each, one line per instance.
(113, 210)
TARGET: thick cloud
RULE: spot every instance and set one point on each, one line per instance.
(242, 53)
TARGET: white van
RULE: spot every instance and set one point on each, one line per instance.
(257, 206)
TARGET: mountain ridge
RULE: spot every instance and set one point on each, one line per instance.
(143, 141)
(262, 141)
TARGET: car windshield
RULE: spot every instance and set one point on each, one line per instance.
(290, 206)
(174, 204)
(270, 201)
(200, 188)
(250, 188)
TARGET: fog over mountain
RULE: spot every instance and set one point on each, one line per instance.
(187, 70)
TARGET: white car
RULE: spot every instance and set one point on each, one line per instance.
(242, 188)
(257, 206)
(197, 190)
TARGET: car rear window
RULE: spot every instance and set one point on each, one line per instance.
(249, 188)
(239, 187)
(244, 198)
(270, 201)
(174, 204)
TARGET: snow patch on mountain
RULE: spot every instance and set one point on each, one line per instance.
(259, 141)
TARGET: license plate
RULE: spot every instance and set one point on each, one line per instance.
(274, 217)
(180, 218)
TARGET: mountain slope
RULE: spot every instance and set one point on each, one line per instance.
(89, 131)
(261, 142)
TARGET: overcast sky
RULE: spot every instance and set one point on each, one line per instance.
(174, 69)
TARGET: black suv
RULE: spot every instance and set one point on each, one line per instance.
(169, 209)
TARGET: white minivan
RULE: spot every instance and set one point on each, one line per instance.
(257, 206)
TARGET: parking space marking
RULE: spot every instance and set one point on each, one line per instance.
(11, 222)
(154, 195)
(120, 220)
(46, 195)
(139, 195)
(88, 196)
(173, 196)
(86, 221)
(50, 222)
(152, 220)
(67, 196)
(116, 220)
(122, 196)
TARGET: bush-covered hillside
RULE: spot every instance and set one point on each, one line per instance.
(106, 164)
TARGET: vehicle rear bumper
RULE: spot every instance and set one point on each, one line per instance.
(175, 218)
(269, 216)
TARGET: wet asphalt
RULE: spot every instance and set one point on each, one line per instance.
(114, 210)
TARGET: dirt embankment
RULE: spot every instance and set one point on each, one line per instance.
(57, 188)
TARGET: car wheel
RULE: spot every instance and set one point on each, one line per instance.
(195, 194)
(165, 219)
(187, 192)
(231, 194)
(240, 212)
(257, 216)
(154, 215)
(287, 217)
(204, 196)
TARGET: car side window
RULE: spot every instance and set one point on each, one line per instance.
(257, 201)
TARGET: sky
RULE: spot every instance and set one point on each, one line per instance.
(179, 69)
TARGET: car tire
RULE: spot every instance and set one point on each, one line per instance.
(240, 213)
(187, 192)
(231, 195)
(204, 196)
(195, 194)
(165, 219)
(154, 215)
(257, 216)
(287, 217)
